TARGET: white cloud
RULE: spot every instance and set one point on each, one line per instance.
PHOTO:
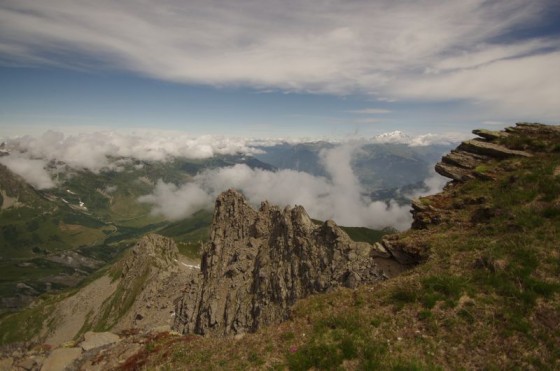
(444, 138)
(338, 198)
(432, 185)
(32, 170)
(488, 53)
(176, 203)
(382, 47)
(398, 137)
(93, 151)
(526, 86)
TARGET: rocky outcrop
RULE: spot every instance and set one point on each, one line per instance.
(485, 159)
(151, 277)
(258, 263)
(136, 296)
(481, 158)
(463, 163)
(493, 150)
(137, 293)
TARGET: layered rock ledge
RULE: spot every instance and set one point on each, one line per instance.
(483, 158)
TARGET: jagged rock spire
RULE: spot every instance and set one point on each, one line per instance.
(258, 263)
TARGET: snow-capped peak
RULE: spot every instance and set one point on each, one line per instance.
(396, 136)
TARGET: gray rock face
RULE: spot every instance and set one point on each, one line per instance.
(152, 275)
(258, 263)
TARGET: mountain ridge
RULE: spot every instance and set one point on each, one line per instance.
(483, 291)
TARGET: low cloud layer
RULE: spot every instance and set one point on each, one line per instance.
(176, 203)
(480, 51)
(398, 137)
(32, 170)
(96, 151)
(338, 198)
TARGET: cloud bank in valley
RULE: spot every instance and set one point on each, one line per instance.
(174, 202)
(32, 170)
(29, 155)
(96, 151)
(339, 197)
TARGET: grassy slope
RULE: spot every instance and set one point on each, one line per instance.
(487, 296)
(190, 233)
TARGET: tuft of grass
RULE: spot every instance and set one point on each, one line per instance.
(482, 169)
(361, 234)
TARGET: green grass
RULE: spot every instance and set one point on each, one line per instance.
(482, 169)
(25, 325)
(120, 302)
(190, 233)
(22, 326)
(361, 234)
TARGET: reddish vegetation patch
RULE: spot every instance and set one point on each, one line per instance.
(158, 345)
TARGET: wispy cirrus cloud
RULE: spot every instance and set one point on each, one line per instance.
(424, 50)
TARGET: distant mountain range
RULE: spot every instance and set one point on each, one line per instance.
(379, 166)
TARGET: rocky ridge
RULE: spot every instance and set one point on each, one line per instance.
(134, 297)
(479, 158)
(137, 292)
(150, 277)
(482, 158)
(258, 263)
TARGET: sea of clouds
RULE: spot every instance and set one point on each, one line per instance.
(339, 196)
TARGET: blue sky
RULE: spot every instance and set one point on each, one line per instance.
(276, 69)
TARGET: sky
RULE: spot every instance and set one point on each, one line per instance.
(266, 69)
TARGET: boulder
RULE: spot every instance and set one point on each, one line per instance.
(94, 340)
